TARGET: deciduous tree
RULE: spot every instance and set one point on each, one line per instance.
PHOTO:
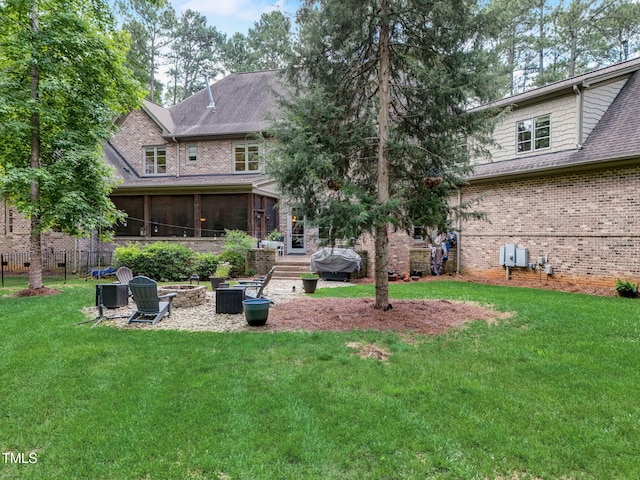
(63, 81)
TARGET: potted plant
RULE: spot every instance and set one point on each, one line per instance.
(220, 275)
(309, 281)
(626, 288)
(275, 236)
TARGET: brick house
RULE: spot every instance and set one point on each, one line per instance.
(561, 182)
(193, 170)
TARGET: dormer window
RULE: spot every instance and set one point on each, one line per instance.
(534, 134)
(155, 160)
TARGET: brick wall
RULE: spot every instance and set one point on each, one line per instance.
(138, 130)
(587, 224)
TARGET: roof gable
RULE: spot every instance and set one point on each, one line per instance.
(242, 104)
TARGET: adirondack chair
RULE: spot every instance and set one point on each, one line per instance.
(150, 307)
(254, 288)
(124, 276)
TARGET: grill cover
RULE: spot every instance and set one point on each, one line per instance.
(335, 260)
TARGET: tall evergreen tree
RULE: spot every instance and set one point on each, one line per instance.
(195, 50)
(63, 80)
(267, 46)
(150, 26)
(373, 134)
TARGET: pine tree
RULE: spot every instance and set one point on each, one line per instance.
(373, 133)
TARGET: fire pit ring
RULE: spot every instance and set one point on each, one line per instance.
(187, 295)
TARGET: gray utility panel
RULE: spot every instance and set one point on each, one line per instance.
(512, 256)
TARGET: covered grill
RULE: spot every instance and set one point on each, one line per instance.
(335, 263)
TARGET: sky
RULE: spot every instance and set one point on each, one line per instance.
(231, 16)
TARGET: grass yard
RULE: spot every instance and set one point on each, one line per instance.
(551, 393)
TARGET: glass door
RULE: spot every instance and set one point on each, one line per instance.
(296, 238)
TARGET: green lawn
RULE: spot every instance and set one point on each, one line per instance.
(552, 393)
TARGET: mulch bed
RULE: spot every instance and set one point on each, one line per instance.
(428, 317)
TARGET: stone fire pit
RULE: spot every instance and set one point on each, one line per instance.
(187, 295)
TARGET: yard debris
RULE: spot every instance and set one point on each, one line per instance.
(370, 350)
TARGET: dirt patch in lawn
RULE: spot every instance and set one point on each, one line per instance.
(37, 292)
(428, 317)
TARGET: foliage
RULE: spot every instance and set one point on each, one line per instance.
(237, 262)
(267, 46)
(150, 27)
(63, 80)
(223, 270)
(366, 128)
(238, 241)
(161, 261)
(626, 288)
(309, 275)
(194, 50)
(204, 264)
(275, 236)
(551, 392)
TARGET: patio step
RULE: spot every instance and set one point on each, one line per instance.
(287, 269)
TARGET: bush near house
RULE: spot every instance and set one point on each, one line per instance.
(204, 264)
(161, 261)
(166, 262)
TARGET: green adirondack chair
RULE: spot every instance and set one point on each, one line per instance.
(150, 307)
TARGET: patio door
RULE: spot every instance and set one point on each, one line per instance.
(296, 242)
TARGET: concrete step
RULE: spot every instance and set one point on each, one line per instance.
(290, 269)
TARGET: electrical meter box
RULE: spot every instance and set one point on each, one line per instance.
(512, 256)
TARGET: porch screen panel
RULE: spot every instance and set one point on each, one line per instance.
(133, 206)
(172, 216)
(220, 212)
(272, 214)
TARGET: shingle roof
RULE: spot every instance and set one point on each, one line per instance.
(616, 137)
(243, 102)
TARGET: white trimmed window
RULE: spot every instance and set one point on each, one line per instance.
(246, 157)
(192, 152)
(155, 160)
(534, 134)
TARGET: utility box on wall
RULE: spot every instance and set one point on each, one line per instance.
(512, 256)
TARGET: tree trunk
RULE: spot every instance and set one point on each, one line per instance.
(35, 267)
(382, 236)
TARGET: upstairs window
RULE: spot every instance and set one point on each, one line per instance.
(246, 158)
(534, 134)
(155, 160)
(192, 152)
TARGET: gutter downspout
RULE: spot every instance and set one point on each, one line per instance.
(579, 117)
(175, 140)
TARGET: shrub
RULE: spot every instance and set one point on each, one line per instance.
(236, 260)
(129, 256)
(237, 241)
(626, 288)
(223, 270)
(205, 264)
(161, 261)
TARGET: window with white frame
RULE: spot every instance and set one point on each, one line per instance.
(534, 134)
(246, 157)
(155, 160)
(192, 152)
